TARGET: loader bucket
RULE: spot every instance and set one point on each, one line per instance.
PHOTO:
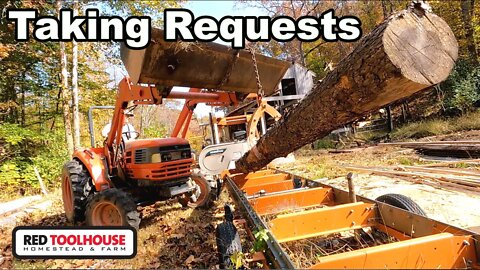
(200, 65)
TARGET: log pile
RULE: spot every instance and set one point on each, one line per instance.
(410, 51)
(460, 149)
(455, 179)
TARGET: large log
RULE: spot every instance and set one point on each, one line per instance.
(410, 51)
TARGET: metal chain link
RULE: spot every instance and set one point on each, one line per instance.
(251, 50)
(236, 55)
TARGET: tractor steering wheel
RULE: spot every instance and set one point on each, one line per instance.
(128, 134)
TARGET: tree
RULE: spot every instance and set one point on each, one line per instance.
(65, 93)
(76, 117)
(467, 9)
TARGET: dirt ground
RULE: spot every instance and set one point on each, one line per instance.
(453, 207)
(174, 237)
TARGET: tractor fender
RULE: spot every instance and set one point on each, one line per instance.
(94, 160)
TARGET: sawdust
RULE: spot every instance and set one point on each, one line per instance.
(306, 253)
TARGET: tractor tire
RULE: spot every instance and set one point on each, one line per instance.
(402, 202)
(76, 188)
(228, 243)
(205, 194)
(112, 207)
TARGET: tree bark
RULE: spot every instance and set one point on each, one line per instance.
(66, 97)
(408, 52)
(76, 117)
(467, 7)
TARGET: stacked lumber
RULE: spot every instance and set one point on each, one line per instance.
(450, 178)
(460, 149)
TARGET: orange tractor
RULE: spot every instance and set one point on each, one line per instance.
(104, 185)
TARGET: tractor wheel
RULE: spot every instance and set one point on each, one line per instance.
(75, 190)
(228, 243)
(112, 207)
(402, 202)
(202, 196)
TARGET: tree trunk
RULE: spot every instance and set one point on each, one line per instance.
(76, 117)
(408, 52)
(22, 115)
(67, 116)
(467, 7)
(389, 118)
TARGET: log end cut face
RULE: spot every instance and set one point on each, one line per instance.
(422, 46)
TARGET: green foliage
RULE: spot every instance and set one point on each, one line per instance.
(462, 88)
(422, 129)
(324, 144)
(406, 161)
(15, 135)
(416, 130)
(160, 131)
(237, 259)
(23, 149)
(261, 238)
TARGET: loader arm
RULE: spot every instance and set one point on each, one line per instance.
(223, 99)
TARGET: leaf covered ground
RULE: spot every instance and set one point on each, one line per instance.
(174, 237)
(170, 236)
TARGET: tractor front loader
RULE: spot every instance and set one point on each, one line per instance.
(104, 185)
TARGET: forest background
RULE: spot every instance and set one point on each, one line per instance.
(47, 88)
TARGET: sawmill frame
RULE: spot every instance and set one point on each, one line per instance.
(422, 242)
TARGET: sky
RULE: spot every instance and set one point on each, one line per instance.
(222, 8)
(217, 9)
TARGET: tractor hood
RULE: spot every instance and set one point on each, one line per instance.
(158, 142)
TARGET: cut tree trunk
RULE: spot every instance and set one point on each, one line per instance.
(410, 51)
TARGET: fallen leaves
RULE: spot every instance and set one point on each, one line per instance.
(170, 236)
(189, 260)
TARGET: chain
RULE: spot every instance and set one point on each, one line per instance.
(236, 55)
(251, 50)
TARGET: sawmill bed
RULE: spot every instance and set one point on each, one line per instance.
(312, 225)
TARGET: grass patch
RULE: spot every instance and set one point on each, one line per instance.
(422, 129)
(372, 136)
(325, 143)
(470, 121)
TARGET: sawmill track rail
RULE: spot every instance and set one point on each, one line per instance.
(291, 208)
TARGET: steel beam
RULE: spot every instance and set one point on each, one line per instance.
(438, 251)
(272, 187)
(266, 179)
(276, 203)
(277, 256)
(324, 221)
